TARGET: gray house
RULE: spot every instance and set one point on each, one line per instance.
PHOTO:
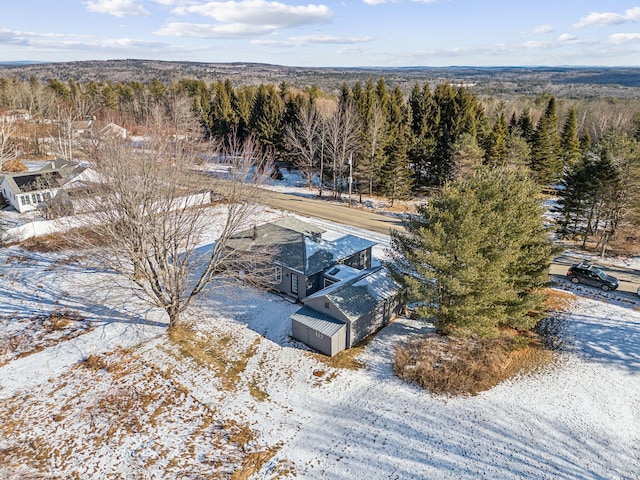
(344, 298)
(345, 313)
(301, 256)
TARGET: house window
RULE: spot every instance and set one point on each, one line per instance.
(278, 274)
(34, 199)
(363, 258)
(294, 283)
(22, 200)
(27, 199)
(326, 305)
(328, 282)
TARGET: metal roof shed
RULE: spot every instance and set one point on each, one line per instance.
(319, 331)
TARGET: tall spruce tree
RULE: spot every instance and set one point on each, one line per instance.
(267, 116)
(569, 140)
(546, 163)
(423, 126)
(477, 254)
(527, 128)
(496, 149)
(396, 171)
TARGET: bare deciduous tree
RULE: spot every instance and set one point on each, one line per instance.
(62, 140)
(151, 226)
(8, 151)
(375, 132)
(303, 141)
(341, 140)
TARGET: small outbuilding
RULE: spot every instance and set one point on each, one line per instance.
(363, 304)
(321, 332)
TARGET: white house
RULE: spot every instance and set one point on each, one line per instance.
(27, 190)
(15, 116)
(112, 129)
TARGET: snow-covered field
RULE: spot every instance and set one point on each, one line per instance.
(109, 395)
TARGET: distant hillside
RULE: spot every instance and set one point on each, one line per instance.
(576, 82)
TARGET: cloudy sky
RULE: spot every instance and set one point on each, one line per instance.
(326, 32)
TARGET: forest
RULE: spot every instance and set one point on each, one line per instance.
(400, 143)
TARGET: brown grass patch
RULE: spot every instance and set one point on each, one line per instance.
(73, 239)
(41, 332)
(253, 462)
(342, 360)
(218, 354)
(455, 366)
(558, 300)
(109, 403)
(14, 166)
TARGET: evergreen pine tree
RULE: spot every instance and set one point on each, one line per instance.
(423, 126)
(569, 141)
(546, 163)
(478, 254)
(527, 128)
(222, 113)
(396, 171)
(496, 147)
(513, 124)
(267, 117)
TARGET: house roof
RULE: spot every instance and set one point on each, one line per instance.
(57, 171)
(300, 246)
(362, 294)
(342, 272)
(318, 321)
(292, 223)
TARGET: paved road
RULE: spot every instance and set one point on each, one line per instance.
(375, 222)
(353, 217)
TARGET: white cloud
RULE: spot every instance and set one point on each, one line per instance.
(47, 42)
(609, 18)
(542, 29)
(622, 38)
(567, 37)
(118, 8)
(533, 44)
(245, 18)
(173, 2)
(208, 30)
(380, 2)
(304, 40)
(260, 12)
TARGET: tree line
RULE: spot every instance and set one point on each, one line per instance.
(388, 142)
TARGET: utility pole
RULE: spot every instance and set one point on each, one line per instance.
(350, 175)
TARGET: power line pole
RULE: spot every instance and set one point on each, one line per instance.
(350, 175)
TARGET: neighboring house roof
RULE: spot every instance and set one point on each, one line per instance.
(357, 296)
(81, 125)
(299, 245)
(114, 129)
(52, 175)
(318, 321)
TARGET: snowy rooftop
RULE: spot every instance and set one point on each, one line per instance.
(360, 294)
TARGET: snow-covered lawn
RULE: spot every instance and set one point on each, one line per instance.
(119, 399)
